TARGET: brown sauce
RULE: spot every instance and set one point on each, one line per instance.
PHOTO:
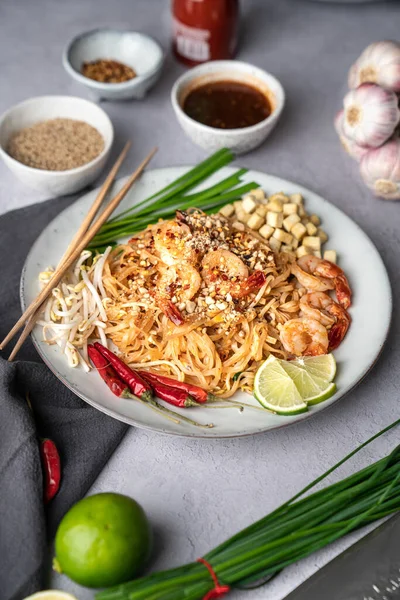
(227, 105)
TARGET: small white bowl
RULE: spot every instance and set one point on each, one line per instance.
(238, 140)
(137, 50)
(43, 108)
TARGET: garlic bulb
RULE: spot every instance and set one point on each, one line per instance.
(379, 63)
(380, 169)
(371, 114)
(355, 151)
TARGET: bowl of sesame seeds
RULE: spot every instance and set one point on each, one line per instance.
(56, 144)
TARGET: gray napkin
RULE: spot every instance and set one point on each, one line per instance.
(85, 437)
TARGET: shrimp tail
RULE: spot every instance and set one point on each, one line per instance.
(251, 284)
(343, 291)
(339, 329)
(170, 310)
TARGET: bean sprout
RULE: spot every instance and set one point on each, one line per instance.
(75, 310)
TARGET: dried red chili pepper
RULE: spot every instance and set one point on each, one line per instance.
(51, 468)
(138, 386)
(108, 374)
(197, 393)
(173, 396)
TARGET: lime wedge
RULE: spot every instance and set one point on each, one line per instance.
(51, 595)
(275, 389)
(288, 387)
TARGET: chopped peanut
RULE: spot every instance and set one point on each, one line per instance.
(290, 208)
(255, 221)
(299, 231)
(266, 231)
(311, 229)
(312, 241)
(330, 255)
(227, 211)
(274, 219)
(282, 236)
(249, 203)
(290, 221)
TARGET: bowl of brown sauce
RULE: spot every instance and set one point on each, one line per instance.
(227, 104)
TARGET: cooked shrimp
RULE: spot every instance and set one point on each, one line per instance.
(318, 275)
(170, 242)
(229, 273)
(304, 337)
(322, 308)
(181, 280)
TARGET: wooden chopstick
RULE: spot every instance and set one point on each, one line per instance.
(61, 269)
(75, 240)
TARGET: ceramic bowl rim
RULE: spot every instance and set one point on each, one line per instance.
(98, 85)
(46, 173)
(189, 76)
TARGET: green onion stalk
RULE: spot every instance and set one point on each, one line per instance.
(175, 196)
(293, 531)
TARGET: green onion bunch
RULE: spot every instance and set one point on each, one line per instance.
(174, 196)
(295, 530)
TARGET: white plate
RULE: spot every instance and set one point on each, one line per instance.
(355, 356)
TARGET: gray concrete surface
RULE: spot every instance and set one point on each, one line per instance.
(199, 492)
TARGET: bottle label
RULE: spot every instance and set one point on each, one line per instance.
(192, 43)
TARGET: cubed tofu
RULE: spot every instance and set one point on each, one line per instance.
(227, 211)
(287, 249)
(258, 194)
(238, 206)
(302, 251)
(274, 244)
(311, 229)
(330, 255)
(266, 231)
(280, 196)
(255, 221)
(298, 231)
(323, 236)
(301, 211)
(312, 241)
(249, 203)
(244, 217)
(262, 210)
(290, 208)
(275, 205)
(274, 219)
(296, 198)
(315, 220)
(283, 236)
(295, 243)
(317, 253)
(290, 221)
(238, 225)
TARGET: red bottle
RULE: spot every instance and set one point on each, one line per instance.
(204, 30)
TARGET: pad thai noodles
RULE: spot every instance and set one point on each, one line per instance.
(201, 298)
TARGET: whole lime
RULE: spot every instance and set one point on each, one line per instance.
(103, 540)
